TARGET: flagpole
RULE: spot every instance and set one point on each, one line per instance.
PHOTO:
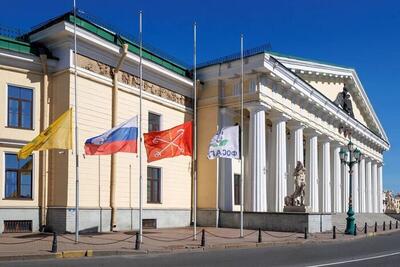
(241, 140)
(217, 188)
(140, 130)
(195, 133)
(76, 136)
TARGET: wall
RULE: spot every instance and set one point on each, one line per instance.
(94, 100)
(28, 79)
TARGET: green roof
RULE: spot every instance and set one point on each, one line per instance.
(17, 46)
(261, 50)
(115, 38)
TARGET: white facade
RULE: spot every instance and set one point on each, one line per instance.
(292, 117)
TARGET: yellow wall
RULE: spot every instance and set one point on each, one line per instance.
(94, 109)
(22, 78)
(58, 159)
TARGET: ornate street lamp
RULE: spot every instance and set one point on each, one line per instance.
(349, 157)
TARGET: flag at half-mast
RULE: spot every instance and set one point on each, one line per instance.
(121, 138)
(225, 144)
(57, 136)
(170, 143)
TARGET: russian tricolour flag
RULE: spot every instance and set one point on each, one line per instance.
(122, 138)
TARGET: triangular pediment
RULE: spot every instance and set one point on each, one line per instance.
(329, 80)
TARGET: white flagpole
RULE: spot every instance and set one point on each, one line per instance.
(140, 131)
(241, 140)
(217, 188)
(195, 134)
(76, 136)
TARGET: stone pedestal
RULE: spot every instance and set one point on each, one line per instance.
(390, 211)
(306, 209)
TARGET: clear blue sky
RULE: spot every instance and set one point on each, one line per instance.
(361, 34)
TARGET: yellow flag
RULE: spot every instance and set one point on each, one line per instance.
(57, 135)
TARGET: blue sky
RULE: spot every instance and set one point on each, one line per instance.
(360, 34)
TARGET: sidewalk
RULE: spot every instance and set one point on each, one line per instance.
(30, 246)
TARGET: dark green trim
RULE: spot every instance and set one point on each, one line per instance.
(17, 46)
(133, 47)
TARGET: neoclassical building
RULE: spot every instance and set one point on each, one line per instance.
(37, 86)
(290, 116)
(293, 111)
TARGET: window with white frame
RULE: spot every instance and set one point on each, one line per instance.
(153, 185)
(253, 86)
(19, 107)
(154, 122)
(236, 88)
(18, 177)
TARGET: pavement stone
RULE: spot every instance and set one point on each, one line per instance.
(38, 246)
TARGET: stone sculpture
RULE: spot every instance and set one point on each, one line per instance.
(297, 198)
(343, 100)
(390, 202)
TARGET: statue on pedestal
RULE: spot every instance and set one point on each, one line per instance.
(390, 202)
(297, 198)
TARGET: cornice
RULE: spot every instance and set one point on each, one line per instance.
(338, 73)
(302, 87)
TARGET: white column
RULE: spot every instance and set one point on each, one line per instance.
(226, 175)
(256, 193)
(380, 188)
(361, 179)
(295, 152)
(336, 178)
(324, 175)
(345, 187)
(270, 177)
(355, 197)
(312, 170)
(279, 172)
(374, 186)
(368, 191)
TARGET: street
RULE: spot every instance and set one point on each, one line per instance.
(372, 251)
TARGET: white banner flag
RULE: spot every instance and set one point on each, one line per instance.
(225, 144)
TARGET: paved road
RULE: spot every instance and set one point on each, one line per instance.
(373, 251)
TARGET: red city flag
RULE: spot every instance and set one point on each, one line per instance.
(169, 143)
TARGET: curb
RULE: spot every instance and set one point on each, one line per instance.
(181, 249)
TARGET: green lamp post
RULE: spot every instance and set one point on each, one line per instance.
(349, 157)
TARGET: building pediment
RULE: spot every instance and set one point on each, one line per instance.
(329, 80)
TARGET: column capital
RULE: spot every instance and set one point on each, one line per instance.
(294, 125)
(325, 138)
(256, 106)
(227, 111)
(336, 144)
(310, 132)
(276, 116)
(375, 161)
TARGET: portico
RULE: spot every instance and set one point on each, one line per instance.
(293, 112)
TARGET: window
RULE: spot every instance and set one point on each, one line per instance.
(20, 107)
(237, 89)
(253, 86)
(154, 122)
(18, 177)
(153, 185)
(236, 189)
